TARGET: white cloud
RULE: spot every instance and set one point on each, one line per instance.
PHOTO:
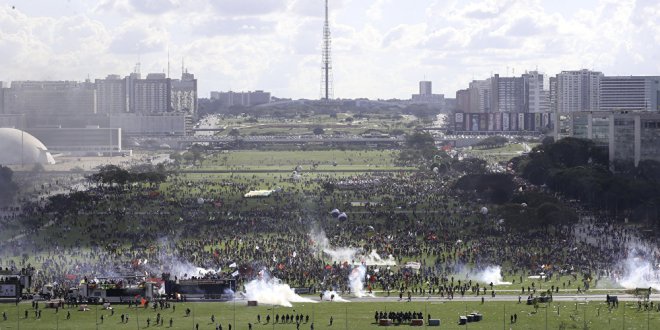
(136, 38)
(248, 7)
(380, 48)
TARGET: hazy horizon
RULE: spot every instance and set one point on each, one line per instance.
(380, 48)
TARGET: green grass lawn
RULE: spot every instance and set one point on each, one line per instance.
(287, 160)
(353, 315)
(299, 126)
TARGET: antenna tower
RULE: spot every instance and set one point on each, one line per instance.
(326, 59)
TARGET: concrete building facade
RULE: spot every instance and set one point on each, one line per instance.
(49, 97)
(245, 99)
(80, 140)
(578, 91)
(629, 136)
(111, 94)
(153, 94)
(184, 94)
(508, 94)
(426, 95)
(630, 93)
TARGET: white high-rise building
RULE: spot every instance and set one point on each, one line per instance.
(537, 98)
(153, 95)
(425, 88)
(578, 91)
(111, 95)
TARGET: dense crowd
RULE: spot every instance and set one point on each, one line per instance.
(193, 227)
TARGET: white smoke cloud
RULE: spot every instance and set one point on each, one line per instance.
(491, 274)
(354, 256)
(174, 265)
(271, 291)
(639, 271)
(356, 281)
(332, 295)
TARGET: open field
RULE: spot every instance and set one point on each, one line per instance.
(342, 123)
(402, 200)
(353, 315)
(349, 160)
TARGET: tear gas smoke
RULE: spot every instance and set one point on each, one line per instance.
(328, 296)
(356, 281)
(638, 271)
(351, 255)
(491, 274)
(271, 291)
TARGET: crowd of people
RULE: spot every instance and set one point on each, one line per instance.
(200, 226)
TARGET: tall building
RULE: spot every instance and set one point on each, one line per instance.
(111, 94)
(184, 93)
(426, 95)
(578, 91)
(480, 96)
(130, 87)
(425, 88)
(153, 94)
(536, 97)
(508, 94)
(50, 98)
(552, 93)
(2, 98)
(630, 93)
(463, 100)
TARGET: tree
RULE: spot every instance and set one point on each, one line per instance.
(197, 152)
(420, 140)
(176, 157)
(234, 132)
(496, 187)
(109, 174)
(38, 168)
(471, 166)
(8, 188)
(420, 147)
(318, 130)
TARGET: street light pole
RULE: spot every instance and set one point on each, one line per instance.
(96, 317)
(504, 318)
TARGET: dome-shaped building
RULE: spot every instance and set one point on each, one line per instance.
(17, 147)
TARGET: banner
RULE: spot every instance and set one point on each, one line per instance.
(474, 122)
(506, 121)
(483, 121)
(459, 119)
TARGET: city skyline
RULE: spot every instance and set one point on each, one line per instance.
(381, 49)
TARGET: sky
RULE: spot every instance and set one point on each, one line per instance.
(380, 48)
